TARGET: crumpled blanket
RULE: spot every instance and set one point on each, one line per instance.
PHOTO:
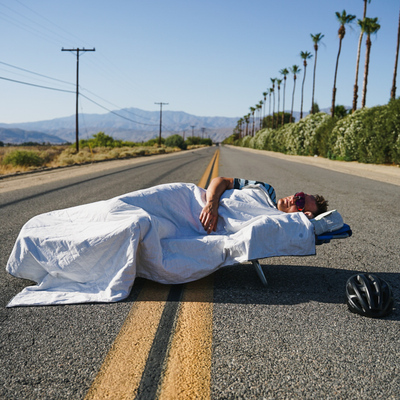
(94, 252)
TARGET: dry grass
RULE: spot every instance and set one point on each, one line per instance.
(58, 156)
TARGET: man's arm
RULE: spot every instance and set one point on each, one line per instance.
(209, 214)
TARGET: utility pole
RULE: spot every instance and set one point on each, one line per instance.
(202, 132)
(77, 50)
(192, 126)
(159, 137)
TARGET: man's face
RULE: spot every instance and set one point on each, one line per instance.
(288, 205)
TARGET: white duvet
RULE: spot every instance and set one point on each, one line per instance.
(94, 252)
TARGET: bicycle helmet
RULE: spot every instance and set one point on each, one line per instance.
(369, 296)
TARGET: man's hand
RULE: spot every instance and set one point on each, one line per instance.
(209, 214)
(209, 217)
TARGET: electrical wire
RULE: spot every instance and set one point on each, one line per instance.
(35, 73)
(42, 30)
(39, 86)
(113, 112)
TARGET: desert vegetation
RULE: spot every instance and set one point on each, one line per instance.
(33, 156)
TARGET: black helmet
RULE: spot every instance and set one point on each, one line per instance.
(369, 295)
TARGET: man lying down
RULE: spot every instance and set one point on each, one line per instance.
(172, 233)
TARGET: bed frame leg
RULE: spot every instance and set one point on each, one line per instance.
(260, 272)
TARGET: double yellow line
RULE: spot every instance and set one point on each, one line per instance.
(186, 369)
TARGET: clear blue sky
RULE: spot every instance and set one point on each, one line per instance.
(207, 58)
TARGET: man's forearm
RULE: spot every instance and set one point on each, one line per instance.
(217, 187)
(209, 214)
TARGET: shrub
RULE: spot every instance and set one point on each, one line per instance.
(196, 140)
(23, 158)
(153, 142)
(175, 141)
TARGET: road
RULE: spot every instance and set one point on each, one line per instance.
(294, 339)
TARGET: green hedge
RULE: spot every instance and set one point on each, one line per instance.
(370, 135)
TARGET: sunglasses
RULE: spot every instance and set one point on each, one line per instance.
(300, 200)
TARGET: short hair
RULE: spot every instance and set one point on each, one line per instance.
(322, 204)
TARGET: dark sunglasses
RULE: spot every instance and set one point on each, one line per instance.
(300, 200)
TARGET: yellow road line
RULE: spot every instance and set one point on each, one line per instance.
(211, 170)
(187, 374)
(188, 371)
(120, 374)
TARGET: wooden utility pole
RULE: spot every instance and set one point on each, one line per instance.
(159, 136)
(77, 50)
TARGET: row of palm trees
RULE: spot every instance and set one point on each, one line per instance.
(368, 27)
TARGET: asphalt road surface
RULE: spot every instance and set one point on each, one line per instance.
(294, 339)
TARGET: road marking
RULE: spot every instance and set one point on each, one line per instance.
(211, 171)
(188, 371)
(122, 369)
(185, 366)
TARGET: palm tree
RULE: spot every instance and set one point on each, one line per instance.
(247, 119)
(270, 91)
(316, 39)
(294, 70)
(305, 55)
(273, 94)
(343, 20)
(369, 26)
(355, 92)
(265, 100)
(393, 91)
(252, 109)
(284, 72)
(260, 107)
(278, 83)
(240, 123)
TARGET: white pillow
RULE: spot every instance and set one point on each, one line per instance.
(327, 222)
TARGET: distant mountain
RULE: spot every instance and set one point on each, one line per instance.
(15, 136)
(127, 124)
(130, 124)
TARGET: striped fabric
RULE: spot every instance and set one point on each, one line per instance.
(239, 183)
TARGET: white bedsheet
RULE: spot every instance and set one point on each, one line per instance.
(94, 252)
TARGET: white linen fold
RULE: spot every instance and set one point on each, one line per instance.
(94, 252)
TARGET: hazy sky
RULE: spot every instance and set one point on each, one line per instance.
(208, 57)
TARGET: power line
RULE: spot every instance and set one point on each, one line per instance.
(39, 86)
(35, 23)
(68, 83)
(113, 112)
(86, 97)
(35, 73)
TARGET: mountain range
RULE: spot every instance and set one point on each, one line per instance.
(131, 124)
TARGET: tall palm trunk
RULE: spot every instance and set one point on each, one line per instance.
(294, 88)
(302, 89)
(273, 108)
(366, 68)
(343, 18)
(279, 95)
(269, 104)
(355, 91)
(393, 91)
(313, 85)
(284, 93)
(334, 81)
